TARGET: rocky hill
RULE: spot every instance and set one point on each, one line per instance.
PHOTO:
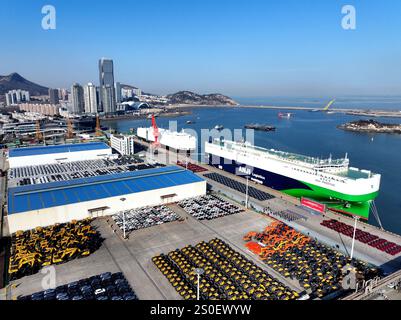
(15, 81)
(371, 126)
(191, 98)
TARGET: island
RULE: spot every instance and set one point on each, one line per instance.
(371, 126)
(191, 98)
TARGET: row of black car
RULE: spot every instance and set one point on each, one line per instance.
(106, 286)
(238, 186)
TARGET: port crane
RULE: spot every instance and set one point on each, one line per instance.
(38, 133)
(70, 131)
(156, 134)
(98, 128)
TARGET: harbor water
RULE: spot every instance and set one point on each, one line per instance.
(309, 133)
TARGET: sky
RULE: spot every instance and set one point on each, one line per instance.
(240, 48)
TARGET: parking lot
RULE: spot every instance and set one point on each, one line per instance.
(133, 256)
(73, 170)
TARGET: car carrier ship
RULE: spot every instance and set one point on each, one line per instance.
(330, 181)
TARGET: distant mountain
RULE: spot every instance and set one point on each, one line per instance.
(188, 97)
(15, 81)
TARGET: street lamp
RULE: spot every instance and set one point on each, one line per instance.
(246, 193)
(353, 237)
(198, 272)
(123, 199)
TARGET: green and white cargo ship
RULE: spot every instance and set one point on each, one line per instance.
(330, 181)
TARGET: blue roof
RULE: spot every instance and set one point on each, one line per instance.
(30, 151)
(40, 196)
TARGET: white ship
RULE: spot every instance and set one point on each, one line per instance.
(333, 181)
(172, 139)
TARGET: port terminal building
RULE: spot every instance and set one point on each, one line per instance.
(45, 204)
(33, 156)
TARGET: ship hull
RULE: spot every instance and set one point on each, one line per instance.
(339, 202)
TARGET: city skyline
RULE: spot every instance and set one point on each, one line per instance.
(254, 49)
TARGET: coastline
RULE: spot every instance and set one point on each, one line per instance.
(350, 111)
(178, 110)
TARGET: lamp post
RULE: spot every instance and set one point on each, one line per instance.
(122, 200)
(246, 193)
(353, 237)
(198, 272)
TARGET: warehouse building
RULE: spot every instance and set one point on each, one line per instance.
(58, 202)
(33, 156)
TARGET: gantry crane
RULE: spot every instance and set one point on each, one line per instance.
(156, 134)
(38, 135)
(70, 131)
(98, 129)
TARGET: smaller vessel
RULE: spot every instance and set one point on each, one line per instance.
(219, 127)
(190, 122)
(260, 127)
(285, 115)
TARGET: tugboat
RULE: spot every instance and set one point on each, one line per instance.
(285, 115)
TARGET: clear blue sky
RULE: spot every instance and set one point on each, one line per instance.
(239, 48)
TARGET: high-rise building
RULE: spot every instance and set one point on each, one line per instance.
(8, 99)
(118, 92)
(17, 96)
(90, 98)
(106, 72)
(62, 94)
(53, 96)
(77, 98)
(108, 99)
(107, 94)
(124, 144)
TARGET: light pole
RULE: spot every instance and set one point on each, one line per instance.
(123, 199)
(246, 193)
(353, 237)
(199, 272)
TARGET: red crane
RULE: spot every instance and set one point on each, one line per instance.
(156, 134)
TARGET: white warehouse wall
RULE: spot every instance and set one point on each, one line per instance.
(78, 211)
(51, 158)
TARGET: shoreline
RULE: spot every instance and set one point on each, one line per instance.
(179, 110)
(350, 111)
(145, 116)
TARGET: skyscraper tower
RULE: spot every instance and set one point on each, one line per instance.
(108, 99)
(118, 92)
(77, 98)
(106, 72)
(107, 94)
(53, 96)
(90, 97)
